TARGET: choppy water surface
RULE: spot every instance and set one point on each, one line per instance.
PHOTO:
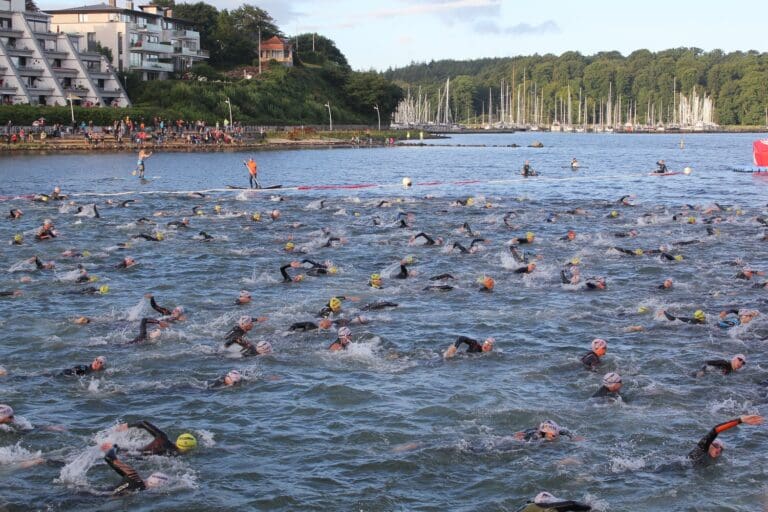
(389, 425)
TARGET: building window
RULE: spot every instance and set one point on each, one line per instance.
(135, 60)
(6, 23)
(82, 18)
(153, 75)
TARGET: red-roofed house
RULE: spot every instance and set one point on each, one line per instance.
(277, 49)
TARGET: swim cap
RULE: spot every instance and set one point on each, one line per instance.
(490, 340)
(324, 324)
(275, 214)
(544, 498)
(611, 378)
(599, 343)
(245, 321)
(742, 357)
(217, 208)
(333, 270)
(186, 442)
(718, 443)
(264, 347)
(344, 332)
(18, 238)
(409, 260)
(47, 222)
(575, 261)
(233, 377)
(642, 309)
(699, 315)
(678, 257)
(407, 182)
(334, 304)
(549, 427)
(157, 479)
(86, 254)
(638, 252)
(6, 411)
(687, 170)
(256, 216)
(178, 310)
(376, 280)
(93, 279)
(614, 213)
(289, 246)
(470, 201)
(691, 220)
(103, 289)
(488, 282)
(529, 235)
(101, 359)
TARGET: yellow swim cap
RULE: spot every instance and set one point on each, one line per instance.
(638, 252)
(470, 201)
(376, 280)
(409, 260)
(86, 254)
(699, 315)
(217, 208)
(529, 235)
(256, 216)
(333, 270)
(103, 289)
(93, 279)
(159, 236)
(575, 261)
(18, 237)
(186, 442)
(678, 257)
(642, 309)
(289, 246)
(691, 220)
(334, 304)
(614, 213)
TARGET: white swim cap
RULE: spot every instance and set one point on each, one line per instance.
(233, 377)
(156, 479)
(344, 332)
(544, 498)
(611, 378)
(598, 343)
(264, 347)
(6, 411)
(244, 321)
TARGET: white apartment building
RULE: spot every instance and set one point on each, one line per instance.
(41, 67)
(147, 40)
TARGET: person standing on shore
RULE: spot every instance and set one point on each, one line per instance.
(253, 171)
(143, 155)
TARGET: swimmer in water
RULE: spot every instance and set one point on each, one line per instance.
(179, 224)
(97, 365)
(343, 340)
(528, 239)
(570, 236)
(526, 269)
(722, 366)
(666, 285)
(661, 167)
(547, 430)
(244, 298)
(527, 170)
(237, 335)
(161, 444)
(428, 240)
(231, 379)
(545, 502)
(487, 283)
(143, 330)
(171, 315)
(591, 360)
(48, 265)
(710, 448)
(698, 317)
(325, 323)
(6, 414)
(595, 283)
(157, 237)
(46, 231)
(611, 386)
(375, 281)
(127, 262)
(473, 346)
(131, 479)
(15, 214)
(287, 278)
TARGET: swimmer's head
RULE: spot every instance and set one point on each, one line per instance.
(47, 222)
(549, 430)
(599, 346)
(245, 323)
(6, 413)
(530, 236)
(699, 316)
(691, 220)
(613, 214)
(245, 297)
(667, 283)
(571, 234)
(333, 270)
(274, 214)
(104, 289)
(18, 238)
(375, 281)
(289, 246)
(738, 361)
(325, 323)
(232, 378)
(263, 347)
(177, 312)
(99, 363)
(544, 498)
(612, 381)
(531, 267)
(716, 448)
(407, 182)
(57, 189)
(217, 208)
(156, 480)
(575, 261)
(344, 332)
(470, 201)
(159, 236)
(256, 216)
(488, 282)
(186, 442)
(488, 344)
(335, 304)
(638, 252)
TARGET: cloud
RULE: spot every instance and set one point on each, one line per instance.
(521, 29)
(457, 8)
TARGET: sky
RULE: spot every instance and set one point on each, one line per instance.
(379, 34)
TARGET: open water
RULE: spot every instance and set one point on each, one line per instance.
(388, 424)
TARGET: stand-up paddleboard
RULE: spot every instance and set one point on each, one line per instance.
(664, 173)
(235, 187)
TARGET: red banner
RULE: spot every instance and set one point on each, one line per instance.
(760, 152)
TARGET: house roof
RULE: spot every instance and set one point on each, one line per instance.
(108, 8)
(273, 42)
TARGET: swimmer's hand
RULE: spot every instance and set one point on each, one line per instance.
(450, 352)
(751, 419)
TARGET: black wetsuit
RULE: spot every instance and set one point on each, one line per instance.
(461, 248)
(378, 305)
(131, 479)
(237, 335)
(160, 445)
(523, 270)
(286, 277)
(556, 506)
(720, 365)
(700, 454)
(79, 371)
(159, 309)
(438, 288)
(147, 237)
(686, 320)
(341, 345)
(473, 345)
(143, 330)
(533, 434)
(441, 277)
(592, 285)
(590, 360)
(662, 168)
(15, 214)
(178, 224)
(303, 326)
(403, 273)
(527, 171)
(605, 392)
(205, 236)
(45, 234)
(314, 269)
(428, 239)
(468, 229)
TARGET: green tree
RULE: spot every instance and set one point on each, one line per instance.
(364, 90)
(325, 50)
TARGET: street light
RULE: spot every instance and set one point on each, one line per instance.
(330, 118)
(229, 104)
(378, 114)
(71, 97)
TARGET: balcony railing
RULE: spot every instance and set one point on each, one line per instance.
(19, 51)
(4, 88)
(186, 34)
(155, 66)
(65, 71)
(30, 71)
(9, 32)
(188, 52)
(147, 47)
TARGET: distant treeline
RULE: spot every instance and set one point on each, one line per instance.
(737, 82)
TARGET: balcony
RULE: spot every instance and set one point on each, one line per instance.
(65, 71)
(19, 51)
(39, 89)
(97, 73)
(90, 55)
(53, 52)
(75, 91)
(9, 32)
(188, 52)
(186, 34)
(155, 29)
(46, 34)
(155, 66)
(7, 89)
(146, 47)
(30, 71)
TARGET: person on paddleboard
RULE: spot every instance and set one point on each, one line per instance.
(253, 171)
(662, 167)
(143, 155)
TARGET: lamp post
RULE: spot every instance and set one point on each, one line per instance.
(229, 104)
(330, 118)
(378, 115)
(70, 97)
